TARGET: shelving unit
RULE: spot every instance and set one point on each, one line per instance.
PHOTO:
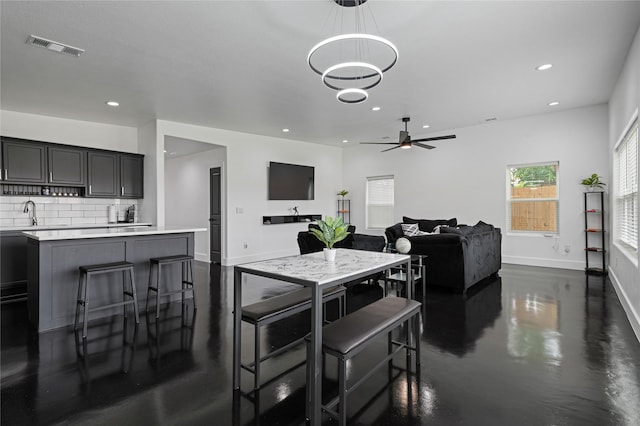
(594, 233)
(344, 210)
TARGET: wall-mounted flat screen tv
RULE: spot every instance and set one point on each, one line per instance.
(290, 181)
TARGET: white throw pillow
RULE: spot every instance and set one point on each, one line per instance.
(410, 229)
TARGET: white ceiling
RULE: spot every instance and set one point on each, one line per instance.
(241, 65)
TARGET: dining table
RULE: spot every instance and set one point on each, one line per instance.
(313, 271)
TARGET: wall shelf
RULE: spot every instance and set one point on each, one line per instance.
(303, 218)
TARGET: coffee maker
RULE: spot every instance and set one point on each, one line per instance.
(131, 214)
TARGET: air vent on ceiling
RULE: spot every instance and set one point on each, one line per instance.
(54, 45)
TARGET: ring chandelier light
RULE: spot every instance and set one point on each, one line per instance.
(352, 78)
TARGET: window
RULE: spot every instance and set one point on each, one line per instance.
(626, 189)
(379, 202)
(533, 197)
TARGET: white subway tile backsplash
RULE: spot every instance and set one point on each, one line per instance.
(83, 220)
(60, 210)
(57, 206)
(56, 221)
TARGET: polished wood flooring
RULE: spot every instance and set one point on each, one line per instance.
(534, 346)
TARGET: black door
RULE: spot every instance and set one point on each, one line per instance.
(215, 212)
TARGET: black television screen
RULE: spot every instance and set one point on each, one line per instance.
(290, 182)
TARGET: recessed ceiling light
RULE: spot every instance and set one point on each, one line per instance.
(426, 126)
(554, 103)
(375, 109)
(113, 103)
(544, 67)
(165, 151)
(345, 141)
(285, 130)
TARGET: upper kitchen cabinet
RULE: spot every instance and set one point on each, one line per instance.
(23, 162)
(115, 175)
(67, 166)
(102, 174)
(131, 176)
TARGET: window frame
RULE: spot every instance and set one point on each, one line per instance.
(367, 204)
(509, 200)
(627, 249)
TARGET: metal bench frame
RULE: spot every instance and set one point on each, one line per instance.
(412, 318)
(287, 311)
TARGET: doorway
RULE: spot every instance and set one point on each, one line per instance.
(215, 212)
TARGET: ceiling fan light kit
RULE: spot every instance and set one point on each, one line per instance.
(357, 74)
(405, 141)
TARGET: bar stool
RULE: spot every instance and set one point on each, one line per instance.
(186, 262)
(86, 272)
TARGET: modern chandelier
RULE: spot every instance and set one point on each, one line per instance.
(352, 62)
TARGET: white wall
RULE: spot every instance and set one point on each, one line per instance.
(466, 177)
(186, 184)
(68, 132)
(245, 202)
(625, 99)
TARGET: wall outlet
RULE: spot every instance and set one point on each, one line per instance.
(239, 210)
(245, 245)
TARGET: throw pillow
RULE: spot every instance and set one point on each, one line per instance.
(427, 225)
(410, 229)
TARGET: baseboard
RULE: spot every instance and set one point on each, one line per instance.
(201, 257)
(632, 314)
(545, 263)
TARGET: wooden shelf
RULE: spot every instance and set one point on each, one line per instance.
(594, 224)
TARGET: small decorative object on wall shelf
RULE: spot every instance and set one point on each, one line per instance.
(331, 231)
(593, 182)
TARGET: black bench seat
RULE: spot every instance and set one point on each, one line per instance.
(349, 335)
(279, 307)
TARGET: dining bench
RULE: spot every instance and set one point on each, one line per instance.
(276, 308)
(348, 336)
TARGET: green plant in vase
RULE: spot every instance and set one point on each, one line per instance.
(332, 230)
(593, 182)
(343, 193)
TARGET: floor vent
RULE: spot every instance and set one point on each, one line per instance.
(54, 46)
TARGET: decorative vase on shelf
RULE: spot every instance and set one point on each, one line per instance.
(329, 254)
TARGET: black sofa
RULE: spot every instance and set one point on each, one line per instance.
(459, 256)
(308, 243)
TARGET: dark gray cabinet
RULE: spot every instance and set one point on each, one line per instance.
(67, 166)
(23, 162)
(103, 174)
(13, 261)
(131, 176)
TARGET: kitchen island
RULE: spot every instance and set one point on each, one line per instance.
(54, 257)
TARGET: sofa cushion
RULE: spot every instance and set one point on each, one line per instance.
(394, 232)
(483, 227)
(427, 225)
(458, 230)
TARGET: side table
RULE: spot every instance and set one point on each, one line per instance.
(398, 275)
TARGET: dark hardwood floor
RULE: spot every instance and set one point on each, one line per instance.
(534, 346)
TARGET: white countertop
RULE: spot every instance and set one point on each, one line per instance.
(77, 234)
(68, 227)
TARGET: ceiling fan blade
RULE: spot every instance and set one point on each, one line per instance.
(395, 147)
(379, 143)
(421, 145)
(436, 138)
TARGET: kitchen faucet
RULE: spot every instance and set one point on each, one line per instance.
(34, 219)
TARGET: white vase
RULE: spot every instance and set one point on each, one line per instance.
(329, 254)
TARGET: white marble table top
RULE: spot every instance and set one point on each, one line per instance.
(313, 269)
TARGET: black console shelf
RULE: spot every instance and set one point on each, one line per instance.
(276, 220)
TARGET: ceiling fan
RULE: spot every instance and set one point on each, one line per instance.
(405, 141)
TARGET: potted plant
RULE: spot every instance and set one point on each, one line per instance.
(343, 193)
(594, 181)
(331, 231)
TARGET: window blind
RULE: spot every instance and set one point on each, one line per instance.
(380, 199)
(626, 168)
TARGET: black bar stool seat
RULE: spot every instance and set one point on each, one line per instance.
(86, 272)
(186, 262)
